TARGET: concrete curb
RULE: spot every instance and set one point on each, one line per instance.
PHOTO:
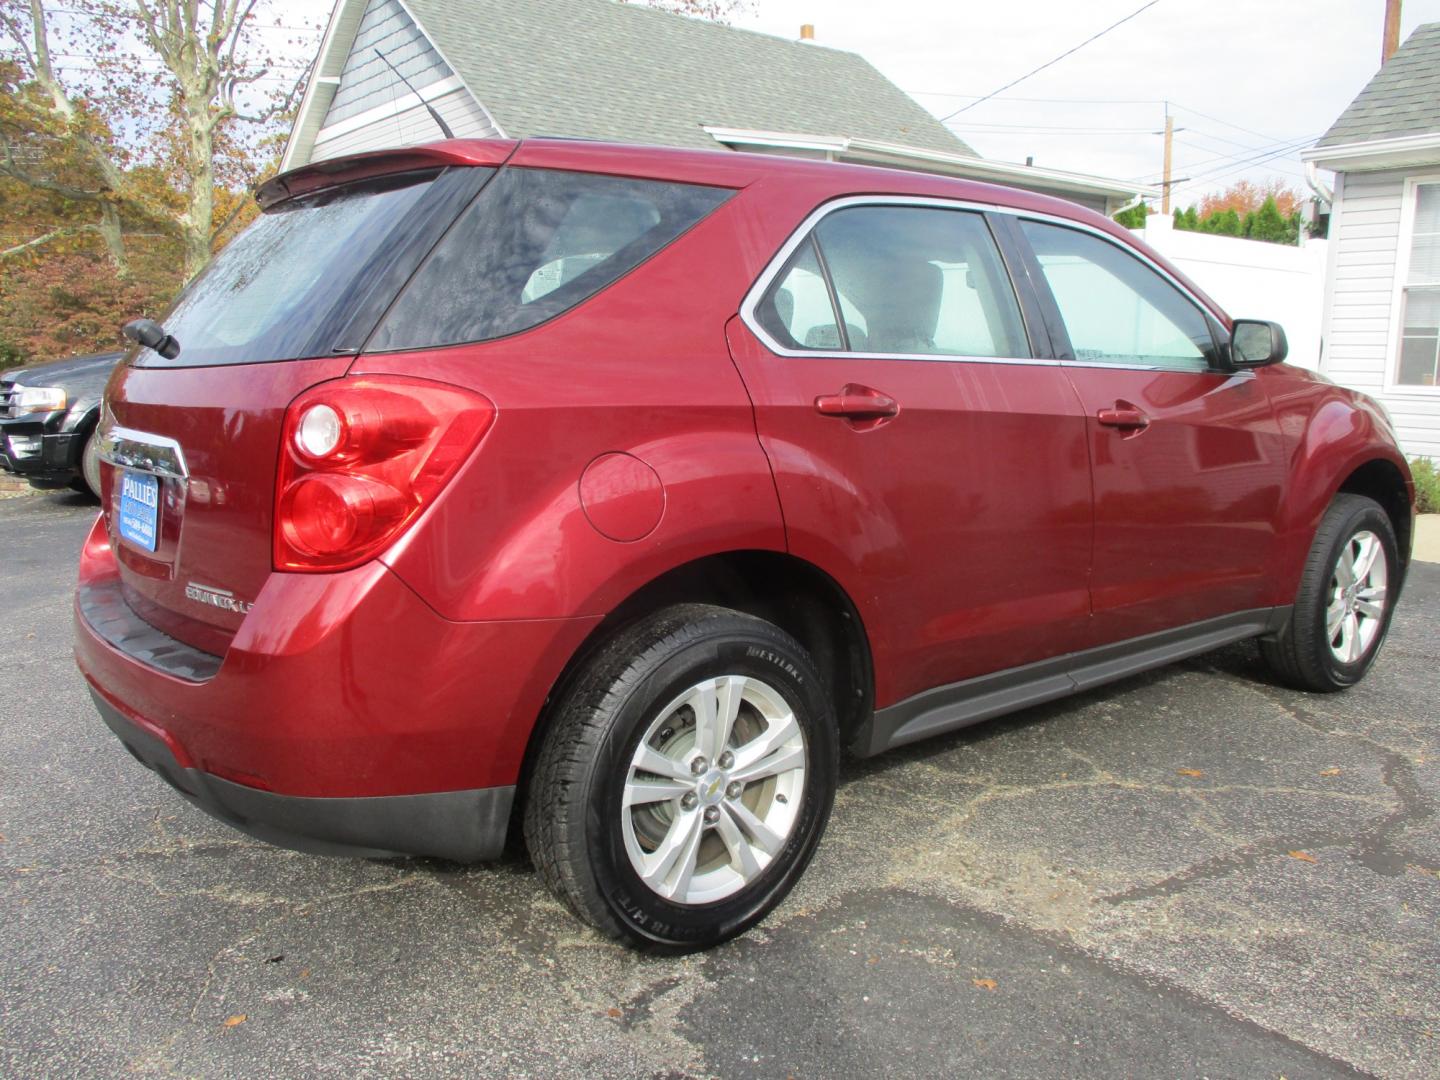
(1427, 538)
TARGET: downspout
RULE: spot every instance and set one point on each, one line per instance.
(1312, 177)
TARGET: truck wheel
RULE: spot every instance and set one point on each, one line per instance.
(88, 482)
(1346, 597)
(686, 779)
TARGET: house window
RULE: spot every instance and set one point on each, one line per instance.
(1420, 301)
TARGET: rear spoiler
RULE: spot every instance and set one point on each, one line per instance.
(333, 173)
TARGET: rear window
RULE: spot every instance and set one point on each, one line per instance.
(535, 243)
(288, 285)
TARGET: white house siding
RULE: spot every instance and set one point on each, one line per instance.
(373, 109)
(384, 127)
(1365, 247)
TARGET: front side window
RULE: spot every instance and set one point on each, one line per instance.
(908, 281)
(533, 244)
(1420, 301)
(1116, 309)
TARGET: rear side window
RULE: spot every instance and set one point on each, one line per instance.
(908, 280)
(535, 243)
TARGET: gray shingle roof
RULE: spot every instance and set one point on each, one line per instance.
(606, 70)
(1402, 99)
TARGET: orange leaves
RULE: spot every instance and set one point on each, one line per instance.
(1193, 773)
(1303, 856)
(985, 984)
(236, 1020)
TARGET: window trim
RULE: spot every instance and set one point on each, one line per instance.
(777, 263)
(1404, 249)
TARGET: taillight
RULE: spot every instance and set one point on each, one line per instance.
(361, 458)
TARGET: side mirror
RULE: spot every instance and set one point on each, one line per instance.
(1255, 343)
(152, 335)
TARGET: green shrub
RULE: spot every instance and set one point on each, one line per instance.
(1427, 485)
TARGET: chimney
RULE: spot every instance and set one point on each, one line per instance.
(1392, 31)
(807, 32)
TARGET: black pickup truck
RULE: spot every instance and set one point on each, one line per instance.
(48, 414)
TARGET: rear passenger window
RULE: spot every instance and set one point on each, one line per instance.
(533, 244)
(921, 281)
(797, 311)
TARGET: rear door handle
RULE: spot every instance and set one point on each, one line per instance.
(857, 403)
(1124, 416)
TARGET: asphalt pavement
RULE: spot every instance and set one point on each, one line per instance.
(1190, 873)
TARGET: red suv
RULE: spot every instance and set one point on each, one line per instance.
(610, 492)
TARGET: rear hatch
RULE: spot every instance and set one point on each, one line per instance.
(191, 443)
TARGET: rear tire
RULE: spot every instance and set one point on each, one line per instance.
(686, 779)
(1344, 603)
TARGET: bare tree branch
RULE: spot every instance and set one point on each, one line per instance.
(45, 238)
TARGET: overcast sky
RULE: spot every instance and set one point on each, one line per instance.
(1244, 78)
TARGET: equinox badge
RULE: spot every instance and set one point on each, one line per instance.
(219, 598)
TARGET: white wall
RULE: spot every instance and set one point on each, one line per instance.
(1360, 338)
(1253, 280)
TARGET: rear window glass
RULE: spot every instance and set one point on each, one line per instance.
(535, 243)
(281, 289)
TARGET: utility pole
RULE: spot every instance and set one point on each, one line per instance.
(1392, 31)
(1169, 146)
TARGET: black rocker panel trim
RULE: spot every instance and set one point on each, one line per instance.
(961, 704)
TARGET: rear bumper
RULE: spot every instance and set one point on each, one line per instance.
(346, 715)
(465, 826)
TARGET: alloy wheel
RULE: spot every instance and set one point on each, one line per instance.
(1356, 608)
(713, 790)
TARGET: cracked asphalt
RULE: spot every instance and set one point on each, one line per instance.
(1190, 873)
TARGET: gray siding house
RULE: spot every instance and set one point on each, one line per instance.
(599, 69)
(1382, 304)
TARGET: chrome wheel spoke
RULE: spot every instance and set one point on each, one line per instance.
(716, 705)
(1370, 603)
(650, 760)
(1334, 616)
(1367, 548)
(1350, 637)
(1345, 568)
(764, 837)
(754, 759)
(742, 858)
(641, 792)
(773, 764)
(669, 867)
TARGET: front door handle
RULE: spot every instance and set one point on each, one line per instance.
(1124, 416)
(855, 402)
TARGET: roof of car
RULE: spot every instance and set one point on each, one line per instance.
(723, 168)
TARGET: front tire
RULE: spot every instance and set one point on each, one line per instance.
(1346, 597)
(686, 779)
(88, 482)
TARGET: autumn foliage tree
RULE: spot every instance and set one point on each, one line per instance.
(130, 134)
(1269, 212)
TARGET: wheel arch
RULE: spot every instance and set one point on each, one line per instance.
(1381, 479)
(790, 592)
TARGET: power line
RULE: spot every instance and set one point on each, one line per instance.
(1227, 123)
(1062, 56)
(1042, 100)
